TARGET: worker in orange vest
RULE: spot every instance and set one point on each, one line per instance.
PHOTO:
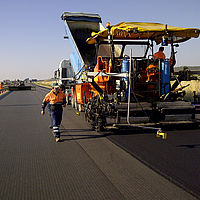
(159, 54)
(152, 69)
(1, 87)
(57, 99)
(152, 72)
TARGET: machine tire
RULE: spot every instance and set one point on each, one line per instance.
(72, 102)
(67, 98)
(68, 102)
(86, 117)
(79, 107)
(99, 126)
(75, 105)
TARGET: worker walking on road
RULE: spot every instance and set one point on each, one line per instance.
(57, 99)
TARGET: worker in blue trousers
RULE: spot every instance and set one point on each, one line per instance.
(56, 100)
(62, 88)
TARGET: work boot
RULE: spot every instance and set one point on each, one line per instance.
(50, 126)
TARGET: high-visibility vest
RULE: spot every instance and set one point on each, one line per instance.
(55, 99)
(159, 55)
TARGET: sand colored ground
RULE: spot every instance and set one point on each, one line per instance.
(194, 86)
(47, 83)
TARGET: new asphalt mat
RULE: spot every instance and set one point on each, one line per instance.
(84, 165)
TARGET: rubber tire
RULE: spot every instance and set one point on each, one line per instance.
(67, 98)
(75, 105)
(79, 107)
(72, 102)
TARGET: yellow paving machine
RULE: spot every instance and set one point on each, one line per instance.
(119, 83)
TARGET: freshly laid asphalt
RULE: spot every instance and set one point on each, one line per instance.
(84, 165)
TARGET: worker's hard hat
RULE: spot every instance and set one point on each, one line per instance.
(55, 85)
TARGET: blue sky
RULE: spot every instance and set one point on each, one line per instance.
(31, 32)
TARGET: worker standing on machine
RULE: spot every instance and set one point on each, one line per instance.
(152, 69)
(159, 54)
(57, 99)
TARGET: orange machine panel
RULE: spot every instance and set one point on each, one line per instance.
(88, 89)
(79, 92)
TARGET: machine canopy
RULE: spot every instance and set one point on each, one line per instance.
(146, 30)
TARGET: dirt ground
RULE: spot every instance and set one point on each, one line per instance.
(194, 85)
(47, 83)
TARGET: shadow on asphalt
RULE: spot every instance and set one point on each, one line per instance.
(135, 131)
(18, 105)
(189, 146)
(66, 132)
(191, 126)
(78, 136)
(4, 95)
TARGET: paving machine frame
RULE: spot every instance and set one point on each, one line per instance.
(123, 90)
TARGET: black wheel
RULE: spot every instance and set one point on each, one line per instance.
(79, 107)
(68, 101)
(72, 102)
(67, 98)
(86, 117)
(75, 105)
(99, 125)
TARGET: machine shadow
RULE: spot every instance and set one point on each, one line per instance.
(4, 95)
(89, 133)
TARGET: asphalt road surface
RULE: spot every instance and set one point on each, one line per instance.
(176, 158)
(35, 171)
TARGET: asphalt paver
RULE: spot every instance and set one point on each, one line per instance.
(83, 165)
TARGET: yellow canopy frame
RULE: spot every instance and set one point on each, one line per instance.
(145, 30)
